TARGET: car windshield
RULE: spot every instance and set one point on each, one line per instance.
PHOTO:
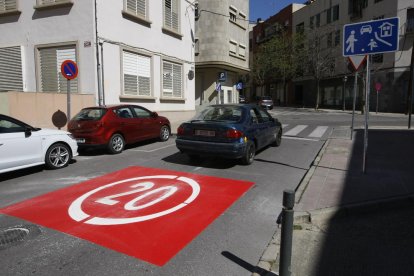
(91, 114)
(220, 113)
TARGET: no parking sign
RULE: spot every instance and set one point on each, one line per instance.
(147, 213)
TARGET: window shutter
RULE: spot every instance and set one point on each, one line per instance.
(167, 79)
(171, 14)
(137, 74)
(137, 7)
(177, 80)
(11, 69)
(8, 5)
(51, 79)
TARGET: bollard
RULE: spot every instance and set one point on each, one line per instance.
(286, 233)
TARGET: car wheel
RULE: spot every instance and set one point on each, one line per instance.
(116, 144)
(248, 157)
(58, 156)
(164, 133)
(278, 139)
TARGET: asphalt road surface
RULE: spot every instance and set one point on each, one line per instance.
(222, 229)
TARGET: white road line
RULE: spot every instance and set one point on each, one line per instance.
(284, 125)
(295, 131)
(300, 138)
(154, 149)
(318, 132)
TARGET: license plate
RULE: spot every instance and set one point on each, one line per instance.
(201, 132)
(80, 140)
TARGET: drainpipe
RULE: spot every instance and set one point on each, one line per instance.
(98, 65)
(103, 75)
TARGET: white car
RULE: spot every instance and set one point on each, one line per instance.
(22, 146)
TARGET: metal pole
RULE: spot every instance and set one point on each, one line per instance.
(411, 88)
(98, 65)
(285, 268)
(68, 99)
(367, 88)
(354, 103)
(103, 75)
(376, 110)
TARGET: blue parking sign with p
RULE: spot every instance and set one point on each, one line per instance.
(371, 37)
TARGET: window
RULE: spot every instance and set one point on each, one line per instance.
(137, 74)
(233, 14)
(376, 1)
(141, 112)
(11, 74)
(318, 20)
(8, 6)
(136, 7)
(300, 28)
(328, 15)
(172, 80)
(337, 37)
(46, 4)
(242, 50)
(233, 47)
(378, 17)
(124, 112)
(410, 20)
(50, 60)
(171, 15)
(311, 22)
(377, 58)
(196, 46)
(335, 13)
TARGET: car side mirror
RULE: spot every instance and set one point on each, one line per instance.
(154, 114)
(27, 132)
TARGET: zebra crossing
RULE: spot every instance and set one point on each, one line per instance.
(305, 131)
(296, 112)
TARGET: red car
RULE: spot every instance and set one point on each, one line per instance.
(118, 125)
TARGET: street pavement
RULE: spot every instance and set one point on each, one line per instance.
(348, 222)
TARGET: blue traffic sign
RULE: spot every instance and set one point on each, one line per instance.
(371, 37)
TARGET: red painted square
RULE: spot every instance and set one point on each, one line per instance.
(147, 213)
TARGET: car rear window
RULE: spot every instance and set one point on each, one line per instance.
(267, 98)
(90, 114)
(220, 113)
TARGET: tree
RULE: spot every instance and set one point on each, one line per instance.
(321, 59)
(278, 58)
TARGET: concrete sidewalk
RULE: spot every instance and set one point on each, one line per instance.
(352, 223)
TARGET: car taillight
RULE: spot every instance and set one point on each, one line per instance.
(234, 134)
(180, 130)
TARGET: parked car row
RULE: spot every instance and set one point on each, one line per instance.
(232, 131)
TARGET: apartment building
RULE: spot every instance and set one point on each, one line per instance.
(127, 51)
(221, 51)
(324, 20)
(263, 31)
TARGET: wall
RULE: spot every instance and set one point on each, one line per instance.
(37, 109)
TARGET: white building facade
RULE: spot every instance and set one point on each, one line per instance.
(127, 51)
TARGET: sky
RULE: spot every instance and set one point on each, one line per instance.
(265, 8)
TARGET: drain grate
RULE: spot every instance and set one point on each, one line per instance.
(14, 235)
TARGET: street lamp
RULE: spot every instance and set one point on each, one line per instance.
(343, 93)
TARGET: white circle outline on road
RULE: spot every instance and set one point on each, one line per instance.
(76, 213)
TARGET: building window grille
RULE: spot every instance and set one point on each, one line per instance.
(337, 37)
(172, 80)
(335, 13)
(50, 61)
(136, 74)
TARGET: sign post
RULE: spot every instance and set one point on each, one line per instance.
(69, 70)
(356, 62)
(367, 38)
(378, 87)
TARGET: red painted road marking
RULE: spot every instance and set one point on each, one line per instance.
(147, 213)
